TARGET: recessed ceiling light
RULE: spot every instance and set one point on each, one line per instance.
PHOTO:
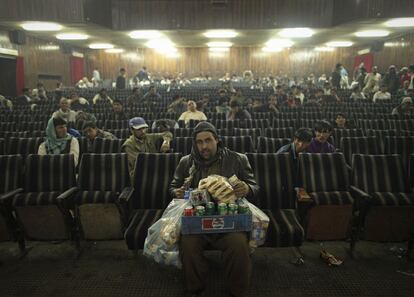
(72, 36)
(101, 45)
(145, 34)
(219, 44)
(114, 50)
(220, 34)
(159, 43)
(296, 32)
(372, 33)
(41, 26)
(400, 22)
(49, 47)
(272, 49)
(279, 43)
(324, 49)
(339, 44)
(218, 49)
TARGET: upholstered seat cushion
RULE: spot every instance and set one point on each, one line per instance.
(37, 198)
(331, 198)
(85, 197)
(284, 228)
(137, 229)
(392, 199)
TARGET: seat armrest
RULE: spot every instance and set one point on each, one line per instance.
(358, 193)
(126, 195)
(67, 194)
(6, 197)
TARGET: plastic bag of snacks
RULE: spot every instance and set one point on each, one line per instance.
(260, 224)
(161, 242)
(219, 188)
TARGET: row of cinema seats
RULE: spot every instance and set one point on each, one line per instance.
(351, 142)
(42, 200)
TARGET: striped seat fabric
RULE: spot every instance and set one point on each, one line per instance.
(279, 132)
(274, 175)
(152, 179)
(10, 173)
(339, 133)
(392, 199)
(240, 144)
(2, 150)
(182, 145)
(403, 146)
(271, 145)
(102, 146)
(325, 177)
(359, 145)
(23, 146)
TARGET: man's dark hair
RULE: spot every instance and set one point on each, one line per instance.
(303, 134)
(117, 101)
(122, 69)
(25, 89)
(234, 103)
(340, 114)
(411, 68)
(323, 125)
(90, 125)
(339, 65)
(135, 89)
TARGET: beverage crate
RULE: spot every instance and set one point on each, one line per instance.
(216, 224)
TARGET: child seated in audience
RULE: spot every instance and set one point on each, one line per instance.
(319, 143)
(341, 122)
(91, 132)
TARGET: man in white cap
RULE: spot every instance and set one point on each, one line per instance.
(141, 142)
(405, 108)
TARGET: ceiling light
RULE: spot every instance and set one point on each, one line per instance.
(72, 36)
(400, 22)
(296, 32)
(114, 50)
(49, 47)
(272, 49)
(100, 45)
(219, 44)
(41, 26)
(278, 43)
(372, 33)
(220, 34)
(324, 49)
(159, 43)
(145, 34)
(339, 43)
(218, 49)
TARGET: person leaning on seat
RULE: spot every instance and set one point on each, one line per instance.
(58, 141)
(141, 142)
(209, 156)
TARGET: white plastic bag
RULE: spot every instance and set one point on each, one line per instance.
(161, 242)
(260, 223)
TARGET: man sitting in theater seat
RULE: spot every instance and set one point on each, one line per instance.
(319, 143)
(64, 112)
(135, 97)
(141, 142)
(58, 141)
(237, 112)
(118, 111)
(405, 108)
(78, 103)
(192, 114)
(91, 131)
(300, 143)
(102, 97)
(209, 156)
(382, 94)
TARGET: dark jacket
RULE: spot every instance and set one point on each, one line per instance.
(120, 82)
(231, 163)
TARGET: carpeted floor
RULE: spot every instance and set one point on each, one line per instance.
(109, 269)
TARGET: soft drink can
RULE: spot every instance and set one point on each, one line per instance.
(200, 210)
(243, 208)
(210, 208)
(222, 208)
(232, 209)
(188, 211)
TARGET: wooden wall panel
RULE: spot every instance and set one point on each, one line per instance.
(193, 61)
(402, 54)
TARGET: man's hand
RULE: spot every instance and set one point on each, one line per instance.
(179, 193)
(165, 147)
(241, 190)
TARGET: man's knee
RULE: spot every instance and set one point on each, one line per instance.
(236, 243)
(191, 243)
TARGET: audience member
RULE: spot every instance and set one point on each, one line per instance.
(58, 141)
(102, 97)
(237, 112)
(223, 106)
(78, 103)
(24, 99)
(300, 143)
(141, 142)
(118, 111)
(391, 80)
(357, 94)
(135, 97)
(5, 103)
(64, 112)
(192, 114)
(382, 94)
(319, 143)
(121, 79)
(341, 122)
(178, 105)
(405, 108)
(91, 131)
(372, 81)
